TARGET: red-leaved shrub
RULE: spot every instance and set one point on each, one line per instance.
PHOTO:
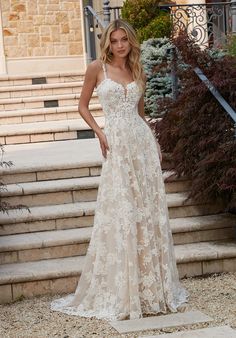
(196, 130)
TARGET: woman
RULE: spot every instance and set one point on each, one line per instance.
(130, 267)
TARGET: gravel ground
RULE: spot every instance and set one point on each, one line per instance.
(214, 295)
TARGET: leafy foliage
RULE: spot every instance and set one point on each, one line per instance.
(147, 18)
(140, 12)
(197, 130)
(159, 27)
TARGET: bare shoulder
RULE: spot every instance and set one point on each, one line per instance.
(94, 67)
(92, 74)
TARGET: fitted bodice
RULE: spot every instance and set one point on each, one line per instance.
(117, 100)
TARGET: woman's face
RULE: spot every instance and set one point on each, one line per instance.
(120, 46)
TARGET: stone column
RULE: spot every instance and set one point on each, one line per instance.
(3, 69)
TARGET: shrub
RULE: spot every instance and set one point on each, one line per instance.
(156, 63)
(159, 27)
(197, 130)
(140, 12)
(147, 18)
(156, 60)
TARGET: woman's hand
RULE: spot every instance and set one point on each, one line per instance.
(103, 144)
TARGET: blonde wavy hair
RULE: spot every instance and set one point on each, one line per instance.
(133, 60)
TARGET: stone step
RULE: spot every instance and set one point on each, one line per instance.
(203, 228)
(64, 158)
(56, 191)
(61, 275)
(44, 245)
(38, 175)
(73, 242)
(47, 131)
(209, 332)
(7, 92)
(173, 184)
(80, 189)
(53, 217)
(49, 77)
(52, 192)
(55, 160)
(196, 259)
(57, 100)
(46, 114)
(40, 277)
(80, 214)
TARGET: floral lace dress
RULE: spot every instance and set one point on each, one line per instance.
(130, 268)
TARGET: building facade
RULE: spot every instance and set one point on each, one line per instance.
(38, 36)
(43, 35)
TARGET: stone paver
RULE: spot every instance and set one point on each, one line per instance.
(213, 332)
(158, 322)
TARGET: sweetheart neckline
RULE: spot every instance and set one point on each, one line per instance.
(120, 84)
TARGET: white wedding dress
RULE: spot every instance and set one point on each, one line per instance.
(130, 268)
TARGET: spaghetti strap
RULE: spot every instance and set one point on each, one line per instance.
(104, 70)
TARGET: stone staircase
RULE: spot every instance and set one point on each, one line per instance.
(37, 109)
(43, 251)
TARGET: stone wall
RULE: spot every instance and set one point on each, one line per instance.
(33, 28)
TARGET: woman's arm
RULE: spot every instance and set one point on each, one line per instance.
(90, 81)
(142, 114)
